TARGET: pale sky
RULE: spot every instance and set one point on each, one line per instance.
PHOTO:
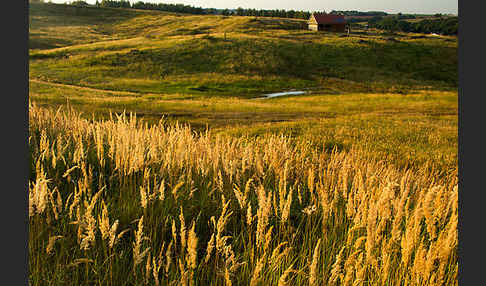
(390, 6)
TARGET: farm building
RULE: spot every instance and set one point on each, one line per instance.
(327, 22)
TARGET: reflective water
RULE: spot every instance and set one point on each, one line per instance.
(270, 95)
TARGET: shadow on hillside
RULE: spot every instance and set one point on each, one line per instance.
(358, 61)
(67, 15)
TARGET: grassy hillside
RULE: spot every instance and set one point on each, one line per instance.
(204, 70)
(155, 52)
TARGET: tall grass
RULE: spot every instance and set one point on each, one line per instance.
(117, 202)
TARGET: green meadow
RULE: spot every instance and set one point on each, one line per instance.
(208, 70)
(125, 103)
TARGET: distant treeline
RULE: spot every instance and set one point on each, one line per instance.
(358, 13)
(181, 8)
(444, 26)
(268, 13)
(379, 19)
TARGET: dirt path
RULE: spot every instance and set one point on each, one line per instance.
(83, 88)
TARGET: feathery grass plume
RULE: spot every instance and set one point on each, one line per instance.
(76, 201)
(113, 238)
(156, 269)
(104, 221)
(255, 278)
(209, 249)
(227, 278)
(138, 254)
(39, 193)
(418, 268)
(174, 231)
(54, 202)
(268, 239)
(313, 265)
(277, 259)
(432, 260)
(407, 244)
(184, 280)
(428, 209)
(249, 216)
(418, 217)
(360, 270)
(50, 244)
(276, 251)
(359, 243)
(247, 188)
(148, 268)
(286, 208)
(400, 215)
(88, 236)
(183, 232)
(88, 225)
(387, 254)
(222, 221)
(239, 196)
(299, 194)
(168, 256)
(371, 232)
(176, 188)
(448, 239)
(160, 257)
(384, 203)
(311, 180)
(230, 259)
(192, 247)
(282, 281)
(31, 204)
(143, 197)
(350, 267)
(69, 171)
(220, 181)
(162, 190)
(263, 214)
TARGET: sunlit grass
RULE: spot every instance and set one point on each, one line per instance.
(111, 201)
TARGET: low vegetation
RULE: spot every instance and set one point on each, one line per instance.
(118, 202)
(157, 52)
(443, 26)
(155, 160)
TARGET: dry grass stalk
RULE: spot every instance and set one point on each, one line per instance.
(138, 254)
(313, 265)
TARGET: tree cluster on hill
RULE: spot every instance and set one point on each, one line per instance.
(181, 8)
(268, 13)
(114, 4)
(444, 26)
(227, 12)
(80, 3)
(178, 8)
(358, 13)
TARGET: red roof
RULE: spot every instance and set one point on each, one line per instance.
(329, 19)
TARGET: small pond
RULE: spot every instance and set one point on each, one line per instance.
(270, 95)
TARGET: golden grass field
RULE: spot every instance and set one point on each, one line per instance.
(118, 202)
(152, 163)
